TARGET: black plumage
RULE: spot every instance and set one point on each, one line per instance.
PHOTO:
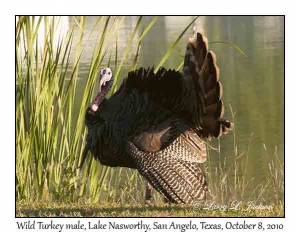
(156, 123)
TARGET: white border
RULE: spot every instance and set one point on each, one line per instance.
(154, 7)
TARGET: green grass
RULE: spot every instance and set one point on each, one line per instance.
(57, 209)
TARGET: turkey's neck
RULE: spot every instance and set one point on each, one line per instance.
(104, 90)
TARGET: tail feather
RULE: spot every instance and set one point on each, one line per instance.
(209, 89)
(199, 49)
(226, 126)
(215, 110)
(209, 75)
(214, 94)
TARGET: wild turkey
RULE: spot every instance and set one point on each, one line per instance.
(156, 123)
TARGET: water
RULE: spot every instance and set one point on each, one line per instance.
(253, 85)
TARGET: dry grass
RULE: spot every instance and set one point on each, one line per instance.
(56, 209)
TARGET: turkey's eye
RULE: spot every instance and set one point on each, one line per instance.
(103, 71)
(108, 73)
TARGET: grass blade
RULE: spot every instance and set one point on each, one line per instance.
(231, 44)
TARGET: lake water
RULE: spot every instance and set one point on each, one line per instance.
(253, 84)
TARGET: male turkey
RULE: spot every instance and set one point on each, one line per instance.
(156, 123)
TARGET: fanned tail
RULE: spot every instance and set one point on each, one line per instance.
(201, 65)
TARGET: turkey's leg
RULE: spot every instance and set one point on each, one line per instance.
(148, 194)
(166, 201)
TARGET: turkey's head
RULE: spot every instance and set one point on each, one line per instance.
(105, 84)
